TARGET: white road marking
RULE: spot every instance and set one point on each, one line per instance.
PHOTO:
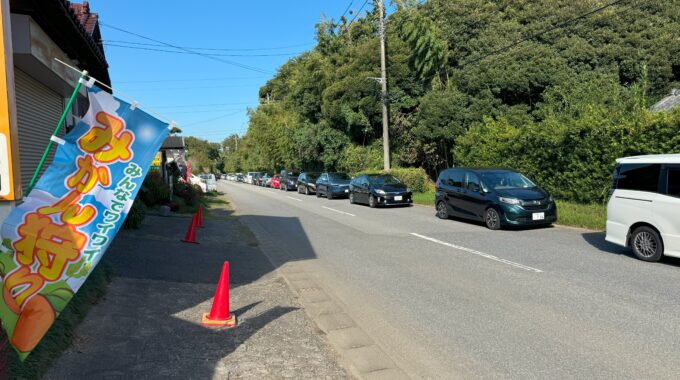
(338, 211)
(293, 198)
(478, 253)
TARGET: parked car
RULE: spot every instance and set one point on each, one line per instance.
(275, 182)
(262, 181)
(643, 211)
(498, 197)
(378, 190)
(210, 181)
(249, 177)
(240, 177)
(289, 180)
(196, 180)
(332, 185)
(306, 183)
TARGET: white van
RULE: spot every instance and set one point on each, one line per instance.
(644, 207)
(210, 182)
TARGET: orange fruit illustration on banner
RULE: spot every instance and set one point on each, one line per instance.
(33, 323)
(10, 301)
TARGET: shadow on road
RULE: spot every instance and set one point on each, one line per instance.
(151, 329)
(597, 240)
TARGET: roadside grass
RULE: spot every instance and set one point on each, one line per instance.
(590, 216)
(208, 200)
(60, 336)
(426, 198)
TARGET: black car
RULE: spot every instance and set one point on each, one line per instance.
(497, 197)
(378, 190)
(332, 185)
(264, 179)
(306, 183)
(288, 180)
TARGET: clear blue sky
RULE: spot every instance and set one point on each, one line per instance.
(206, 98)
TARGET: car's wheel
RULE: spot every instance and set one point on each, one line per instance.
(351, 198)
(647, 244)
(442, 212)
(492, 219)
(306, 190)
(299, 190)
(329, 194)
(372, 202)
(318, 193)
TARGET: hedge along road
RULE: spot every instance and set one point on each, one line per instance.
(451, 299)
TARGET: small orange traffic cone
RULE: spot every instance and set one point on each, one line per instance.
(190, 237)
(219, 312)
(200, 217)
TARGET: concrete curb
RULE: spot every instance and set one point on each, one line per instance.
(362, 356)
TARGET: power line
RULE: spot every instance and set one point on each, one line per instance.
(193, 88)
(206, 54)
(358, 12)
(246, 67)
(203, 105)
(550, 29)
(191, 79)
(204, 48)
(206, 111)
(212, 119)
(347, 9)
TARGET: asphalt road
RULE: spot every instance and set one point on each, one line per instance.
(451, 299)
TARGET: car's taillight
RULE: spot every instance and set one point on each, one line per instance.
(436, 186)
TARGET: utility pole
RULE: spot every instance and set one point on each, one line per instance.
(383, 82)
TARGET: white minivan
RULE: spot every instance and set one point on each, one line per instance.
(644, 207)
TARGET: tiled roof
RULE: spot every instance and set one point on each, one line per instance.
(173, 142)
(87, 19)
(669, 102)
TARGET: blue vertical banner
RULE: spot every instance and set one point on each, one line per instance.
(53, 240)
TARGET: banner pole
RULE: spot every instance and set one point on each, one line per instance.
(56, 131)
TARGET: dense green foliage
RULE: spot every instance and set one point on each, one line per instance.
(561, 106)
(415, 178)
(154, 190)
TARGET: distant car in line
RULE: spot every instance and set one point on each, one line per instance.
(196, 180)
(497, 197)
(643, 211)
(240, 177)
(275, 182)
(210, 181)
(306, 183)
(262, 181)
(289, 180)
(333, 185)
(379, 190)
(249, 177)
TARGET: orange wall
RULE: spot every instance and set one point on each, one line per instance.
(9, 151)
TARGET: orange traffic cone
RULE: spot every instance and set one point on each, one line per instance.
(219, 312)
(190, 237)
(200, 217)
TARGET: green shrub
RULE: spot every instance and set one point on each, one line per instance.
(154, 190)
(189, 193)
(415, 178)
(356, 158)
(571, 151)
(136, 215)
